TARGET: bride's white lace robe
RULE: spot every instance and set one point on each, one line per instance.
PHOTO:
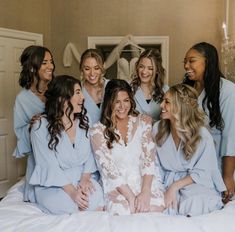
(127, 163)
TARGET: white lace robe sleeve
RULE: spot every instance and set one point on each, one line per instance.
(106, 165)
(148, 147)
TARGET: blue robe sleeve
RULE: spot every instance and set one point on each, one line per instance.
(47, 171)
(90, 165)
(21, 127)
(227, 105)
(205, 170)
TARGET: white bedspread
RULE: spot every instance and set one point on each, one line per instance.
(16, 215)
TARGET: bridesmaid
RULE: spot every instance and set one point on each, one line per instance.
(148, 83)
(217, 99)
(92, 71)
(37, 71)
(62, 177)
(187, 155)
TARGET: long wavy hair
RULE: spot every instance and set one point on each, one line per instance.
(112, 89)
(212, 75)
(61, 90)
(189, 119)
(31, 60)
(157, 80)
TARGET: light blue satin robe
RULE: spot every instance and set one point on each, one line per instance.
(204, 195)
(55, 169)
(224, 140)
(152, 108)
(92, 109)
(27, 104)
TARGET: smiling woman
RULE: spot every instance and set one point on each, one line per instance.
(187, 157)
(93, 82)
(64, 162)
(148, 83)
(37, 71)
(216, 98)
(124, 151)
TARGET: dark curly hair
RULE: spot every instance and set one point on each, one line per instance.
(112, 88)
(31, 60)
(212, 75)
(159, 72)
(60, 90)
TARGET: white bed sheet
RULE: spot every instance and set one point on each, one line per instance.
(18, 216)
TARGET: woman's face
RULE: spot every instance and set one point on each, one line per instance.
(46, 70)
(122, 105)
(166, 107)
(194, 65)
(145, 70)
(91, 71)
(77, 99)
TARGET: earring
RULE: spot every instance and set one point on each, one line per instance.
(31, 70)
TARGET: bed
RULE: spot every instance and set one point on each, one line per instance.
(19, 216)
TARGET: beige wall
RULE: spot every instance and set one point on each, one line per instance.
(184, 21)
(27, 15)
(231, 28)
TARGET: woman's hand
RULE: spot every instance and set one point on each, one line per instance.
(131, 202)
(230, 185)
(228, 168)
(170, 198)
(82, 199)
(34, 119)
(77, 195)
(171, 192)
(86, 184)
(126, 191)
(142, 202)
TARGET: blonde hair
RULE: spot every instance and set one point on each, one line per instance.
(93, 53)
(188, 119)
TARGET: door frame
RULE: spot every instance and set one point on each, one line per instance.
(16, 34)
(163, 41)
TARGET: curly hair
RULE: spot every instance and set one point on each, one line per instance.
(212, 75)
(112, 89)
(157, 81)
(31, 60)
(188, 119)
(60, 90)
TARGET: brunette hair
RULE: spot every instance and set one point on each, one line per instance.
(212, 75)
(31, 60)
(112, 88)
(60, 90)
(158, 73)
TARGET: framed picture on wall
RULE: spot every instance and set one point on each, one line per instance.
(120, 53)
